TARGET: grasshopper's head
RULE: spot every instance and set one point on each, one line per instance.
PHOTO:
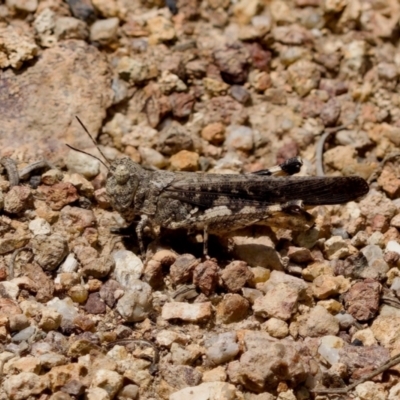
(122, 184)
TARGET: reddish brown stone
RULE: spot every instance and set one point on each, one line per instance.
(232, 60)
(153, 274)
(59, 195)
(225, 110)
(259, 57)
(84, 323)
(205, 277)
(360, 359)
(379, 223)
(18, 199)
(311, 106)
(300, 254)
(182, 104)
(330, 112)
(232, 308)
(333, 87)
(95, 305)
(108, 291)
(182, 269)
(44, 284)
(236, 275)
(362, 300)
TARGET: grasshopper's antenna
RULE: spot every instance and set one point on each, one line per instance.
(94, 142)
(88, 154)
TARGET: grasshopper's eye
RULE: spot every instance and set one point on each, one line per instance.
(121, 174)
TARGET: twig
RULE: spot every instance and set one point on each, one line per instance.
(12, 262)
(31, 167)
(319, 148)
(11, 167)
(388, 364)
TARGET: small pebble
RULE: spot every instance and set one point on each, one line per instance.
(82, 164)
(187, 312)
(239, 138)
(232, 308)
(185, 161)
(222, 348)
(128, 268)
(276, 328)
(104, 30)
(135, 304)
(329, 348)
(39, 226)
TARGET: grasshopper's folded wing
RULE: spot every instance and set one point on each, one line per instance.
(210, 190)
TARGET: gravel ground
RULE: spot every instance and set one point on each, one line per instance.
(215, 86)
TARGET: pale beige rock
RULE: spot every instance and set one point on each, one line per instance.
(134, 70)
(278, 277)
(319, 322)
(108, 380)
(335, 6)
(276, 328)
(167, 337)
(28, 6)
(279, 302)
(104, 30)
(70, 28)
(340, 157)
(70, 79)
(24, 385)
(50, 320)
(366, 336)
(108, 8)
(215, 87)
(185, 161)
(394, 392)
(97, 393)
(161, 29)
(281, 12)
(44, 25)
(317, 269)
(257, 251)
(371, 391)
(245, 10)
(15, 48)
(187, 312)
(336, 247)
(207, 391)
(303, 76)
(217, 374)
(186, 355)
(170, 82)
(268, 361)
(23, 364)
(325, 286)
(82, 164)
(39, 226)
(62, 374)
(385, 327)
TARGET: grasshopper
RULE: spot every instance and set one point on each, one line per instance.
(218, 203)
